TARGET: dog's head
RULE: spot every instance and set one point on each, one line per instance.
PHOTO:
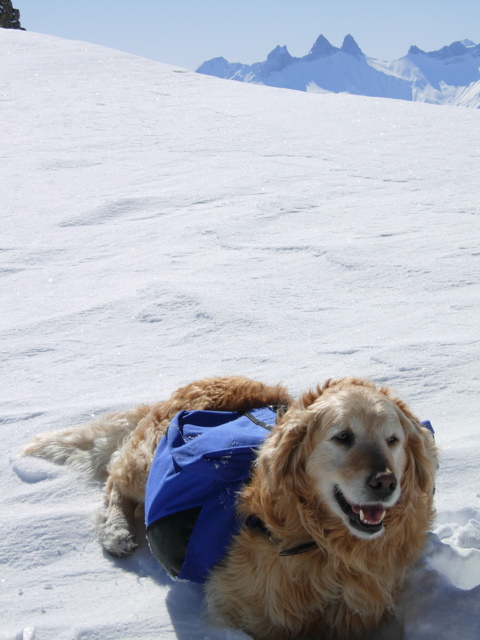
(359, 448)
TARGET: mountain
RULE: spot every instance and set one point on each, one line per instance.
(450, 75)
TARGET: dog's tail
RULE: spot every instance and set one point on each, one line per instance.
(88, 448)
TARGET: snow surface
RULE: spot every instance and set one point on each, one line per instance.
(158, 226)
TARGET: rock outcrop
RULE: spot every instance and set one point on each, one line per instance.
(9, 17)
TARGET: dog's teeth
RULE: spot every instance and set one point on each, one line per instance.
(366, 521)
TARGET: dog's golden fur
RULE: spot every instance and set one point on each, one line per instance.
(345, 437)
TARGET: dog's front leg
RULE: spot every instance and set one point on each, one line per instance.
(116, 525)
(125, 489)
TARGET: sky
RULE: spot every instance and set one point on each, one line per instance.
(188, 32)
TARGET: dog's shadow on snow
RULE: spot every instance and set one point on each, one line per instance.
(141, 562)
(186, 607)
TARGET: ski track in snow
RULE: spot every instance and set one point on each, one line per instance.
(158, 226)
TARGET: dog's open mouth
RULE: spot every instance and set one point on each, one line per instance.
(366, 518)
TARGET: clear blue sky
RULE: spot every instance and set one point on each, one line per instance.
(188, 32)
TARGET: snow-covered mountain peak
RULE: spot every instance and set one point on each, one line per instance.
(321, 48)
(450, 75)
(278, 53)
(277, 59)
(350, 46)
(453, 50)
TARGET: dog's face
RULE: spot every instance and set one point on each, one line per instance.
(358, 457)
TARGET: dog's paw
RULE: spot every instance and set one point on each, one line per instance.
(120, 545)
(115, 534)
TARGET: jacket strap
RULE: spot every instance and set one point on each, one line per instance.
(253, 522)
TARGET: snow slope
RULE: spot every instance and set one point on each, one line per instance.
(448, 76)
(158, 226)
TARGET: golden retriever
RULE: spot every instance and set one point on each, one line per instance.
(347, 471)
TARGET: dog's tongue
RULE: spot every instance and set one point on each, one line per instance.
(371, 513)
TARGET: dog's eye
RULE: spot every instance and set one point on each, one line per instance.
(392, 440)
(344, 437)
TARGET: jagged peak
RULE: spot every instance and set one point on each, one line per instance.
(279, 53)
(351, 47)
(454, 49)
(415, 51)
(219, 67)
(450, 51)
(321, 48)
(277, 59)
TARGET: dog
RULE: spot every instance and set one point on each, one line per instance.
(346, 475)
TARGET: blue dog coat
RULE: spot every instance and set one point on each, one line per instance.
(200, 465)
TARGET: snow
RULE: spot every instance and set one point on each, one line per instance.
(158, 226)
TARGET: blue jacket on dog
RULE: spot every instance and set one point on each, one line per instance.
(200, 465)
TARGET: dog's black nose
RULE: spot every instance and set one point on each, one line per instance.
(382, 484)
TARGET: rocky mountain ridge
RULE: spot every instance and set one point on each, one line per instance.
(450, 75)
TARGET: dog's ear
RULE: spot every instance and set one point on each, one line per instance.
(289, 437)
(283, 453)
(422, 454)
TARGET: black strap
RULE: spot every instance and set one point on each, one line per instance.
(273, 407)
(260, 423)
(302, 548)
(255, 523)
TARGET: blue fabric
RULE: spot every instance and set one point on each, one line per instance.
(428, 425)
(203, 461)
